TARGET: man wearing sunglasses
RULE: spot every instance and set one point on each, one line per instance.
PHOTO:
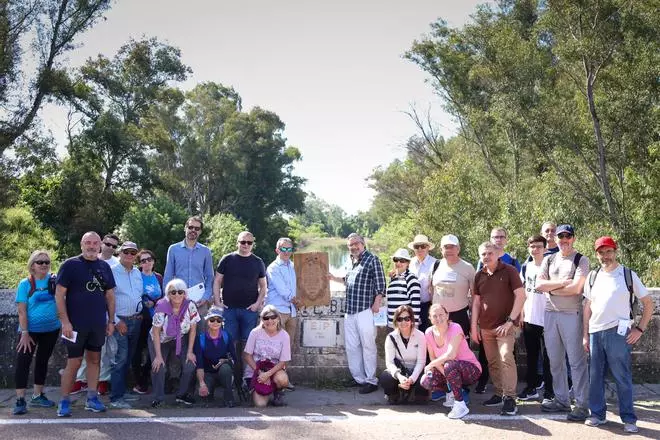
(562, 277)
(282, 286)
(422, 266)
(240, 287)
(128, 318)
(109, 246)
(192, 262)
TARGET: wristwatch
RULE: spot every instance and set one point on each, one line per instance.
(508, 319)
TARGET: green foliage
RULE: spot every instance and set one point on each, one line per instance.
(224, 229)
(20, 235)
(394, 234)
(155, 226)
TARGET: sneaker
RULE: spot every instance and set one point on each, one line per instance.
(120, 404)
(290, 387)
(509, 407)
(578, 414)
(41, 401)
(230, 404)
(554, 406)
(186, 399)
(64, 408)
(94, 405)
(78, 387)
(630, 428)
(595, 421)
(495, 400)
(541, 386)
(278, 399)
(20, 407)
(437, 396)
(528, 393)
(480, 388)
(458, 411)
(102, 388)
(137, 389)
(155, 404)
(368, 388)
(449, 400)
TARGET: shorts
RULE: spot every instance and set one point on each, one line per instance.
(90, 340)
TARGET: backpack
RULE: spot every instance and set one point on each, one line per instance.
(52, 283)
(627, 276)
(202, 339)
(576, 262)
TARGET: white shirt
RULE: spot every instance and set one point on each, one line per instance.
(424, 273)
(610, 299)
(534, 308)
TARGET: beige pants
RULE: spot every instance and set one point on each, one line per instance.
(290, 325)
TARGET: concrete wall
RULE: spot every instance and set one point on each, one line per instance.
(313, 363)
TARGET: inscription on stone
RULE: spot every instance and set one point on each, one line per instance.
(313, 287)
(319, 332)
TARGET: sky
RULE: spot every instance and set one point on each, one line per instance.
(332, 70)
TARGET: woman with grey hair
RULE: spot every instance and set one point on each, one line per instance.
(173, 330)
(39, 330)
(266, 353)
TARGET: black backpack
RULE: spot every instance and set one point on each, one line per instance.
(52, 283)
(627, 276)
(576, 262)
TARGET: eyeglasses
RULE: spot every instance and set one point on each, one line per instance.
(497, 237)
(565, 236)
(536, 246)
(399, 260)
(420, 246)
(403, 318)
(42, 262)
(177, 292)
(129, 252)
(114, 246)
(268, 317)
(194, 228)
(214, 319)
(285, 249)
(244, 242)
(146, 260)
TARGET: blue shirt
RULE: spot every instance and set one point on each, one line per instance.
(193, 266)
(41, 307)
(214, 350)
(152, 290)
(128, 292)
(281, 286)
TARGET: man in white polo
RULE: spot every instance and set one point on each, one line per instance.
(422, 266)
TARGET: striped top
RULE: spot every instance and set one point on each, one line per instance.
(404, 289)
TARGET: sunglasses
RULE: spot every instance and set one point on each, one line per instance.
(194, 228)
(177, 292)
(146, 260)
(497, 237)
(129, 252)
(286, 249)
(214, 319)
(420, 246)
(42, 262)
(269, 317)
(403, 318)
(244, 242)
(114, 246)
(565, 235)
(399, 260)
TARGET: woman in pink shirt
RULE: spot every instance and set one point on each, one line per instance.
(452, 365)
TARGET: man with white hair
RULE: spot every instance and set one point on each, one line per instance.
(422, 266)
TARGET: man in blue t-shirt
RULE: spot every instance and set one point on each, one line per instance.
(85, 298)
(240, 287)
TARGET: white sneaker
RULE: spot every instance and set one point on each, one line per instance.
(458, 411)
(630, 428)
(449, 400)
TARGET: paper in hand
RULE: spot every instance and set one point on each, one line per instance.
(73, 338)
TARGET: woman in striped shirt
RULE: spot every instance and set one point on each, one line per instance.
(404, 287)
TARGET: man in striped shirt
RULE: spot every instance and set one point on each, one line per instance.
(365, 285)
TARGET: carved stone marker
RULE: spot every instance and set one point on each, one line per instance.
(320, 333)
(311, 278)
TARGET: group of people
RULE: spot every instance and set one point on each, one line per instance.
(113, 312)
(576, 323)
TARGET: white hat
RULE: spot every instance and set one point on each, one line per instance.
(402, 253)
(420, 239)
(449, 239)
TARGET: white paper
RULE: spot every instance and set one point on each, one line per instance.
(380, 318)
(73, 338)
(624, 325)
(196, 292)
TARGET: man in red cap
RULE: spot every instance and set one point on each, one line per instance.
(610, 331)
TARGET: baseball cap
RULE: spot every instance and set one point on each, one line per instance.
(605, 241)
(449, 239)
(567, 229)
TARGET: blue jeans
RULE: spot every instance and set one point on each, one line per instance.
(611, 349)
(239, 322)
(126, 345)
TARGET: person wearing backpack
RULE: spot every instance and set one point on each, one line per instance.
(610, 331)
(39, 330)
(562, 277)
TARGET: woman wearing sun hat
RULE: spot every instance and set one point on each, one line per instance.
(215, 354)
(423, 265)
(403, 289)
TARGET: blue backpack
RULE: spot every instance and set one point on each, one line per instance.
(202, 340)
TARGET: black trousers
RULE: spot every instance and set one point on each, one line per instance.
(142, 371)
(424, 321)
(535, 346)
(45, 343)
(390, 385)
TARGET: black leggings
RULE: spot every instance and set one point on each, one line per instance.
(45, 343)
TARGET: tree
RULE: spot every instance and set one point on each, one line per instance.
(224, 229)
(54, 24)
